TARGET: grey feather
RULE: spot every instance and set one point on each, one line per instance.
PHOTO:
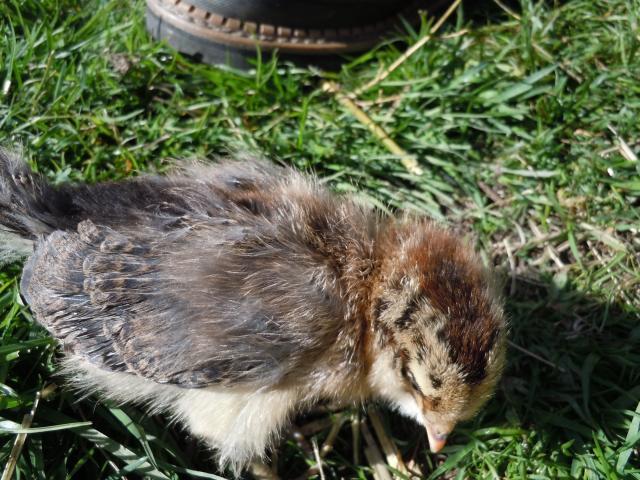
(188, 279)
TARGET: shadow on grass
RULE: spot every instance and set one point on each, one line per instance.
(593, 347)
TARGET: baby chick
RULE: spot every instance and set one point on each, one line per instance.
(232, 296)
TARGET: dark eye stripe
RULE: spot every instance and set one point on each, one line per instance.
(406, 373)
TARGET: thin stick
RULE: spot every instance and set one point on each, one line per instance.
(410, 51)
(459, 33)
(327, 446)
(623, 147)
(394, 460)
(521, 234)
(512, 266)
(374, 457)
(407, 160)
(490, 193)
(536, 356)
(316, 454)
(507, 9)
(355, 435)
(20, 441)
(548, 248)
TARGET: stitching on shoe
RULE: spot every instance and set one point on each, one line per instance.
(268, 32)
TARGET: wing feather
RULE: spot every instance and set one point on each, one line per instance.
(224, 290)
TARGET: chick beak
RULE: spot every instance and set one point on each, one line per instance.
(437, 440)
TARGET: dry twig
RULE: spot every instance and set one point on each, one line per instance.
(327, 446)
(407, 160)
(410, 51)
(355, 435)
(20, 440)
(392, 455)
(508, 10)
(512, 266)
(623, 147)
(536, 356)
(374, 457)
(316, 454)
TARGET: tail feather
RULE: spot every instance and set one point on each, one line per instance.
(29, 206)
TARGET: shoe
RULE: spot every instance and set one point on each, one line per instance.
(230, 32)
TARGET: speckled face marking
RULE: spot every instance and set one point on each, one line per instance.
(381, 306)
(406, 320)
(455, 285)
(437, 313)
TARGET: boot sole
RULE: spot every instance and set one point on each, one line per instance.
(222, 40)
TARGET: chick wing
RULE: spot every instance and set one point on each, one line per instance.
(218, 277)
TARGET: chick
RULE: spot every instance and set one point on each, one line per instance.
(233, 296)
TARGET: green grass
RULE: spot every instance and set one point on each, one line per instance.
(513, 122)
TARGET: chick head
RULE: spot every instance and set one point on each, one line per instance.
(438, 327)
